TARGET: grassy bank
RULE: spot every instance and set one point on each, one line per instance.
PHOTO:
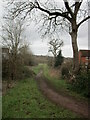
(26, 101)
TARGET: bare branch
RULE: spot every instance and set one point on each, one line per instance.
(83, 21)
(55, 46)
(68, 8)
(77, 6)
(63, 14)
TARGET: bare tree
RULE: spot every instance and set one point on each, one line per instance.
(11, 37)
(69, 14)
(55, 47)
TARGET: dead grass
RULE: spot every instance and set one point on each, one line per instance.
(7, 85)
(54, 73)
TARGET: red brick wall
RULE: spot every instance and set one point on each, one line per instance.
(83, 59)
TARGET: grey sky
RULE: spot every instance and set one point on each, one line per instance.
(40, 46)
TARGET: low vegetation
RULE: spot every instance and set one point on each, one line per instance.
(63, 85)
(26, 101)
(81, 83)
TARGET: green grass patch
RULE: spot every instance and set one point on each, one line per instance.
(26, 101)
(37, 69)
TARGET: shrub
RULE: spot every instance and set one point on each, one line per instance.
(59, 59)
(66, 68)
(15, 72)
(81, 84)
(65, 72)
(27, 72)
(5, 69)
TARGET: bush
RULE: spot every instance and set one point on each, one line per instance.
(59, 59)
(26, 72)
(15, 71)
(65, 72)
(5, 69)
(81, 84)
(66, 68)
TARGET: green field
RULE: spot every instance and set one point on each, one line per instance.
(26, 101)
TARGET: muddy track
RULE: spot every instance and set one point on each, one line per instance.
(80, 108)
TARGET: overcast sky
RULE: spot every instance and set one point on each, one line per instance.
(40, 46)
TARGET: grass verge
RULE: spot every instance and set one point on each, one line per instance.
(26, 101)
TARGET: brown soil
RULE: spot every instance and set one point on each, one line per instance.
(79, 107)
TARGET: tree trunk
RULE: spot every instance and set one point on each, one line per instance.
(75, 52)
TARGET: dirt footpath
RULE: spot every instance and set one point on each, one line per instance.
(80, 108)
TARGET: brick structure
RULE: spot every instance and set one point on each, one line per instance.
(84, 57)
